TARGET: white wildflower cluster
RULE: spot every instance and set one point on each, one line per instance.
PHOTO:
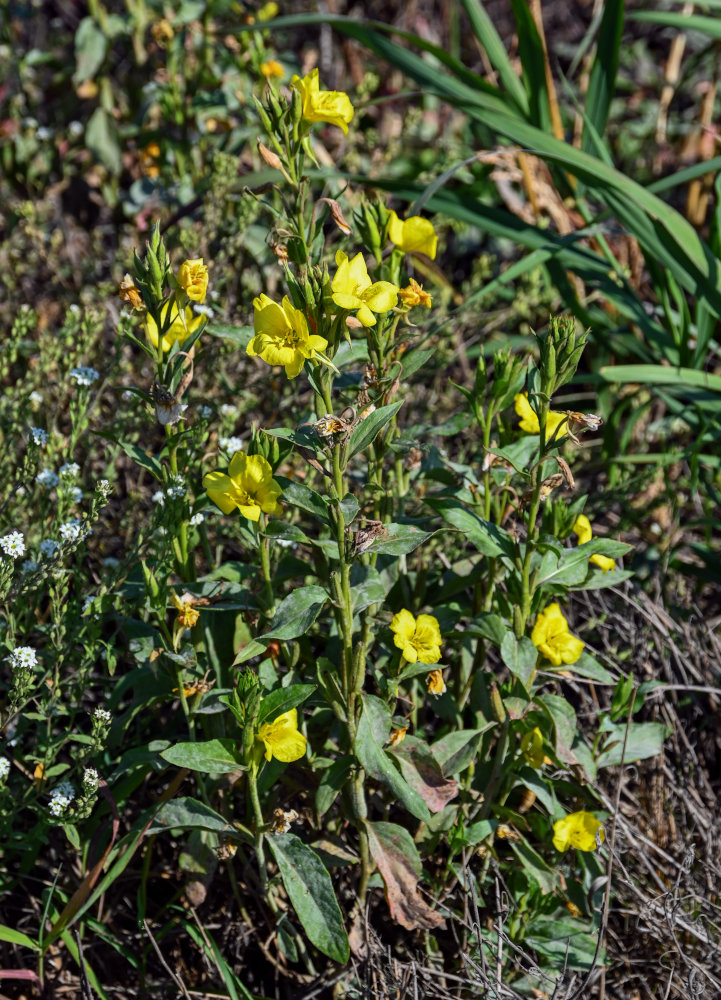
(47, 478)
(200, 309)
(75, 494)
(176, 490)
(158, 497)
(103, 489)
(61, 798)
(197, 519)
(35, 399)
(228, 410)
(39, 436)
(231, 444)
(4, 768)
(205, 412)
(75, 129)
(48, 547)
(13, 545)
(74, 530)
(23, 656)
(44, 133)
(84, 375)
(71, 470)
(90, 779)
(102, 716)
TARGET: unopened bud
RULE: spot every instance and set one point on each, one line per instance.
(498, 709)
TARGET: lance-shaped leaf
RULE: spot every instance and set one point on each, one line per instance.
(394, 852)
(310, 890)
(422, 773)
(212, 756)
(373, 730)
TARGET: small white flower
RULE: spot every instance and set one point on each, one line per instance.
(36, 400)
(197, 519)
(90, 779)
(20, 491)
(228, 410)
(74, 308)
(49, 546)
(40, 437)
(44, 133)
(110, 562)
(75, 129)
(231, 444)
(47, 478)
(176, 490)
(205, 412)
(23, 656)
(61, 798)
(84, 375)
(158, 497)
(4, 768)
(88, 602)
(104, 488)
(71, 470)
(76, 494)
(200, 309)
(127, 396)
(74, 530)
(102, 715)
(169, 413)
(13, 545)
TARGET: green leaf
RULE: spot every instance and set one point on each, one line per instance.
(350, 507)
(367, 587)
(90, 48)
(536, 867)
(297, 612)
(303, 497)
(101, 135)
(373, 730)
(334, 778)
(585, 666)
(149, 462)
(282, 700)
(602, 81)
(400, 540)
(186, 813)
(213, 756)
(310, 890)
(491, 41)
(661, 375)
(487, 626)
(12, 936)
(241, 336)
(488, 538)
(645, 739)
(457, 750)
(564, 721)
(520, 656)
(368, 429)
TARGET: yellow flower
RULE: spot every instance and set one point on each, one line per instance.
(577, 830)
(529, 420)
(282, 337)
(179, 330)
(282, 739)
(332, 106)
(582, 528)
(415, 235)
(552, 638)
(193, 278)
(249, 486)
(414, 295)
(532, 747)
(397, 736)
(353, 289)
(272, 68)
(419, 639)
(434, 682)
(187, 614)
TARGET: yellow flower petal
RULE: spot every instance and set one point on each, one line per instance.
(282, 739)
(181, 327)
(249, 486)
(415, 235)
(529, 419)
(332, 106)
(552, 638)
(193, 278)
(281, 335)
(577, 830)
(419, 639)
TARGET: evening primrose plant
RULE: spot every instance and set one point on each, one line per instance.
(360, 613)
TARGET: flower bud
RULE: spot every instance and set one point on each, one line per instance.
(498, 709)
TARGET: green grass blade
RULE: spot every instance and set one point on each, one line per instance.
(710, 26)
(490, 40)
(603, 72)
(533, 61)
(662, 375)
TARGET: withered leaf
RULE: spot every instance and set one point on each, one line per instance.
(394, 852)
